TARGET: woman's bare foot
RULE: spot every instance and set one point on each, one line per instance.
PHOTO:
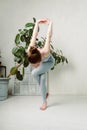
(44, 106)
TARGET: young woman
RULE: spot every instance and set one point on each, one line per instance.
(41, 58)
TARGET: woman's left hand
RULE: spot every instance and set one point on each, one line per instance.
(43, 21)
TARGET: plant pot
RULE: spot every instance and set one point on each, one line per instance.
(4, 88)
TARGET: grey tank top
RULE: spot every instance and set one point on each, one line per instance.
(46, 58)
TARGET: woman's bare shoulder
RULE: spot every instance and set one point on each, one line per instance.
(43, 54)
(41, 51)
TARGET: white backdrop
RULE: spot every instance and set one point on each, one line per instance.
(69, 34)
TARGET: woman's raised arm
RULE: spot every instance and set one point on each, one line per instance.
(46, 48)
(34, 35)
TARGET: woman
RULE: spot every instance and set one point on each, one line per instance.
(41, 59)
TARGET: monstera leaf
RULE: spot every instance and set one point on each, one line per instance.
(13, 70)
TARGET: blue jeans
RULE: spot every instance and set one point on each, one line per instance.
(39, 73)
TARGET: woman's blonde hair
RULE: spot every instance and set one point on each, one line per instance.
(34, 55)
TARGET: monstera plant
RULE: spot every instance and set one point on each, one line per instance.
(22, 41)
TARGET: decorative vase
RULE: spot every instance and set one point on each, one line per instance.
(4, 88)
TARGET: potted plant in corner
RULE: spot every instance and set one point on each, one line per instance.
(4, 81)
(22, 41)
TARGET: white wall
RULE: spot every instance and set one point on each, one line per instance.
(69, 34)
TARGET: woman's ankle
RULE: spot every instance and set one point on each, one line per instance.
(44, 105)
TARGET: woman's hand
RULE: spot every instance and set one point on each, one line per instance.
(43, 21)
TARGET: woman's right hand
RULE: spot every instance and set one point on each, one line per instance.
(43, 21)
